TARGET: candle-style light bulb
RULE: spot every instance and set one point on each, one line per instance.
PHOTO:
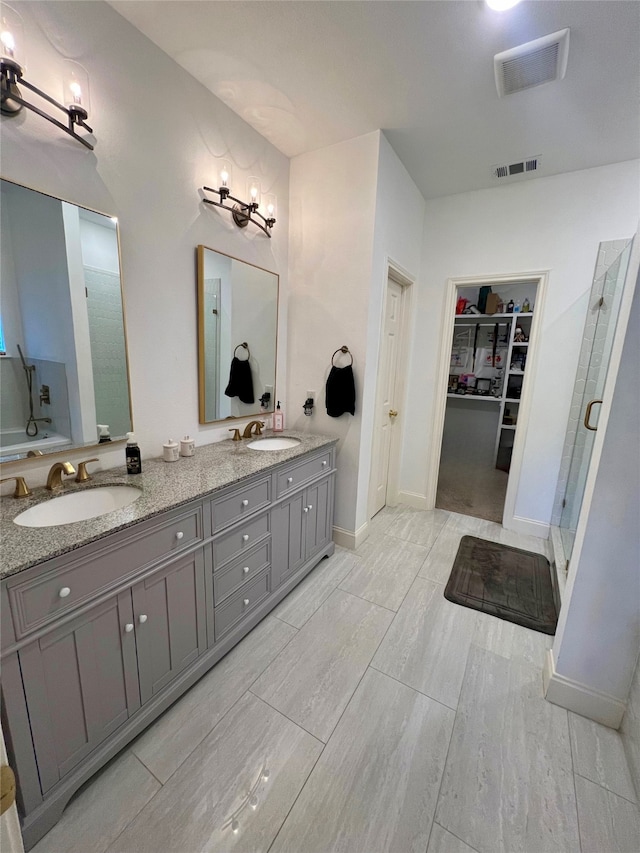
(11, 38)
(253, 191)
(76, 89)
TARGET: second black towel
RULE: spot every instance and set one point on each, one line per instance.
(341, 391)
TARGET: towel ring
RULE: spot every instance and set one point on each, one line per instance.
(344, 350)
(246, 346)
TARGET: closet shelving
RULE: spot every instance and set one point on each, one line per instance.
(514, 355)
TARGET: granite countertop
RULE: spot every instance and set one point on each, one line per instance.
(164, 486)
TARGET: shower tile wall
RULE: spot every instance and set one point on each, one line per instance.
(53, 374)
(15, 408)
(104, 309)
(608, 253)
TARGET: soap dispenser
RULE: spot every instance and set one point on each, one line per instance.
(278, 419)
(133, 456)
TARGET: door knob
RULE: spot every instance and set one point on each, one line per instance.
(393, 413)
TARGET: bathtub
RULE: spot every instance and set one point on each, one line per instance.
(14, 442)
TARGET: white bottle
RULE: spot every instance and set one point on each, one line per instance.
(187, 446)
(170, 451)
(278, 419)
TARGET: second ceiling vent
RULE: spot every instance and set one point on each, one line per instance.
(531, 64)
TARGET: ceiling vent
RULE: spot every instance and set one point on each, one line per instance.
(522, 167)
(531, 64)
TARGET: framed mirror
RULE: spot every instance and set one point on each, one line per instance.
(64, 374)
(237, 336)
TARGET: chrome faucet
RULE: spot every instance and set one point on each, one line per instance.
(248, 430)
(54, 480)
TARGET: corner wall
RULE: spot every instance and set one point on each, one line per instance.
(553, 224)
(148, 165)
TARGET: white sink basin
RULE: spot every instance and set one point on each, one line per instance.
(78, 506)
(273, 443)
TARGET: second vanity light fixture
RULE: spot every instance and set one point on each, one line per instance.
(76, 82)
(244, 212)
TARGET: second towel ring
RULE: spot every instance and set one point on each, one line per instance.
(344, 350)
(246, 346)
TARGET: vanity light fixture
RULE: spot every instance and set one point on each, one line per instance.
(244, 212)
(76, 82)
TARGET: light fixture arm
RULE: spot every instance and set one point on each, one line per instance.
(11, 75)
(242, 212)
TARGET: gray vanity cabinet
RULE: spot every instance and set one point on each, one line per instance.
(169, 621)
(81, 684)
(98, 642)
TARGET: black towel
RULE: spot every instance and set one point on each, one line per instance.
(240, 381)
(341, 392)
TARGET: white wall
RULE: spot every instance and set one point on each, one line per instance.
(353, 207)
(554, 224)
(159, 133)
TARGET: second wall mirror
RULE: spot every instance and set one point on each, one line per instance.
(237, 337)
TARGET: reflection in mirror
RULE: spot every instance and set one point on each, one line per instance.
(63, 368)
(237, 329)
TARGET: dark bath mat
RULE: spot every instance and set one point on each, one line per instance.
(506, 582)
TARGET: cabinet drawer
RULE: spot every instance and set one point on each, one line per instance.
(240, 571)
(242, 502)
(297, 475)
(44, 596)
(240, 539)
(245, 600)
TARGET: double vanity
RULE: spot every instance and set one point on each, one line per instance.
(106, 621)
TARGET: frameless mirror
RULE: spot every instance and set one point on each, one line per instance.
(63, 359)
(237, 330)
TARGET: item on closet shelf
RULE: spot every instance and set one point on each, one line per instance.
(510, 306)
(132, 454)
(240, 379)
(453, 383)
(340, 392)
(103, 433)
(187, 446)
(483, 387)
(278, 419)
(519, 337)
(461, 305)
(526, 306)
(493, 304)
(472, 309)
(516, 308)
(483, 294)
(170, 451)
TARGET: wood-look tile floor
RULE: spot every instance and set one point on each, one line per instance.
(368, 714)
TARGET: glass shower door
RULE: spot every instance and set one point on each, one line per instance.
(597, 342)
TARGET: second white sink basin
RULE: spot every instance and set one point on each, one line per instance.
(273, 443)
(78, 506)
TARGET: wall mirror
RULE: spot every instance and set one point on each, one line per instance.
(63, 362)
(237, 331)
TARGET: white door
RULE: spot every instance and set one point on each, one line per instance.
(386, 414)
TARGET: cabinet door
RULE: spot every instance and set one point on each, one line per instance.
(318, 521)
(287, 532)
(81, 684)
(169, 617)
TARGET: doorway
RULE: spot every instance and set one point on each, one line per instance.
(383, 490)
(491, 345)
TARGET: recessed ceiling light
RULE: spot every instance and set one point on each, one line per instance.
(501, 5)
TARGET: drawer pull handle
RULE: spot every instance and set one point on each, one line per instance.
(324, 463)
(128, 627)
(179, 534)
(289, 479)
(306, 509)
(246, 601)
(245, 503)
(310, 506)
(143, 618)
(245, 537)
(246, 570)
(64, 592)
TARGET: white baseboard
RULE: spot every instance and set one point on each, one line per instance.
(528, 526)
(580, 698)
(414, 500)
(351, 539)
